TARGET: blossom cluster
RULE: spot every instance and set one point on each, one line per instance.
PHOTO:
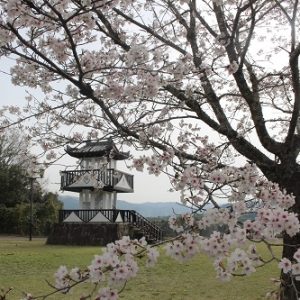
(183, 248)
(270, 223)
(291, 267)
(272, 196)
(238, 262)
(223, 247)
(156, 163)
(182, 222)
(226, 245)
(110, 270)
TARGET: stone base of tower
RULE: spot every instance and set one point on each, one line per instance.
(89, 234)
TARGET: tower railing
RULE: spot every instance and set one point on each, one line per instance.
(151, 231)
(108, 177)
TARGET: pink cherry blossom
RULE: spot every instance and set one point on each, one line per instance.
(285, 264)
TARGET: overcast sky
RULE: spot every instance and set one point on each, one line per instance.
(148, 188)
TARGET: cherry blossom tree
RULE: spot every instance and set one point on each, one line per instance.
(14, 149)
(211, 87)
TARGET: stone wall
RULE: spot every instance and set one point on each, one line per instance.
(88, 234)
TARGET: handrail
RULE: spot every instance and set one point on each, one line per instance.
(147, 227)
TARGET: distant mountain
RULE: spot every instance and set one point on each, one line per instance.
(154, 209)
(146, 209)
(69, 202)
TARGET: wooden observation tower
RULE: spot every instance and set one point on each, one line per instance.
(98, 181)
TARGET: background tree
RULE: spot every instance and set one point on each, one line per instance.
(15, 160)
(15, 219)
(46, 213)
(158, 74)
(14, 185)
(15, 148)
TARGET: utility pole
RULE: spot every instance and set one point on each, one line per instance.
(31, 208)
(33, 175)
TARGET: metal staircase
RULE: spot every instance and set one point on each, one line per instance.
(150, 231)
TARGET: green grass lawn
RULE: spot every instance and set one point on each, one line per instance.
(26, 266)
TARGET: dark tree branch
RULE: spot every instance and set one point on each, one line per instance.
(238, 142)
(251, 99)
(110, 32)
(294, 60)
(150, 31)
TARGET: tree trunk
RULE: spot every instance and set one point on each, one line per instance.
(290, 289)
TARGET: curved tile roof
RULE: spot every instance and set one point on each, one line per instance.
(101, 148)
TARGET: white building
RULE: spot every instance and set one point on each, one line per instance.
(97, 179)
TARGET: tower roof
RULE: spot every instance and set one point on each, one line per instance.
(103, 148)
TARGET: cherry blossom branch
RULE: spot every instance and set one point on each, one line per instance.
(150, 31)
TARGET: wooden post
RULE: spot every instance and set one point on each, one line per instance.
(31, 208)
